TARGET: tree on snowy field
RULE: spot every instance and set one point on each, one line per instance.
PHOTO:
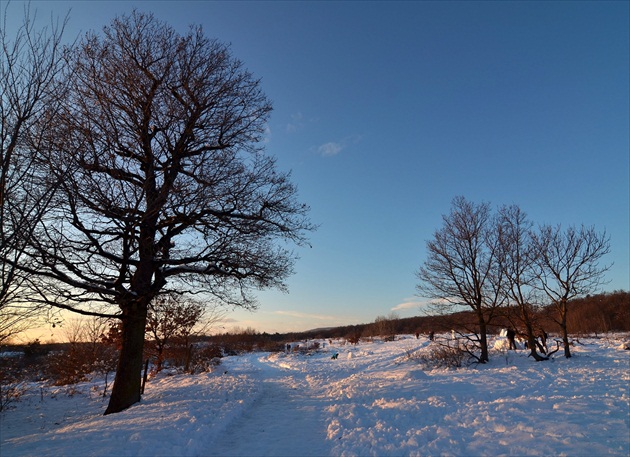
(462, 269)
(30, 65)
(172, 320)
(166, 185)
(517, 258)
(567, 267)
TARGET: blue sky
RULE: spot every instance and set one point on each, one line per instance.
(384, 111)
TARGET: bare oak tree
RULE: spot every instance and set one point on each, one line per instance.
(30, 65)
(567, 267)
(166, 186)
(461, 270)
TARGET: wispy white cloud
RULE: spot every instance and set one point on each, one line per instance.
(406, 305)
(297, 122)
(410, 303)
(330, 149)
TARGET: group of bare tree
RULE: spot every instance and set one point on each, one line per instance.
(31, 64)
(383, 326)
(133, 167)
(498, 264)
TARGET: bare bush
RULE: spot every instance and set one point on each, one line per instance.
(443, 356)
(413, 354)
(12, 384)
(67, 367)
(87, 351)
(10, 392)
(204, 359)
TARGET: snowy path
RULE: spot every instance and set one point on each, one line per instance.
(288, 416)
(371, 401)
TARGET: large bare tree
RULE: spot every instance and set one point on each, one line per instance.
(461, 270)
(567, 267)
(517, 258)
(31, 62)
(166, 186)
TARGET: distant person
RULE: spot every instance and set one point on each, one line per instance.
(431, 335)
(511, 334)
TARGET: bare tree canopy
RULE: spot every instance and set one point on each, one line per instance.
(461, 268)
(30, 65)
(165, 184)
(517, 257)
(567, 267)
(164, 175)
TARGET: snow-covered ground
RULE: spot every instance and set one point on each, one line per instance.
(372, 400)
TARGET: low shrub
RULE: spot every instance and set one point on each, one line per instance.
(12, 384)
(204, 359)
(443, 356)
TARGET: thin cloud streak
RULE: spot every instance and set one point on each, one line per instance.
(411, 303)
(299, 315)
(406, 305)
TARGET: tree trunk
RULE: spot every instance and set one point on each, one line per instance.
(531, 338)
(563, 326)
(159, 358)
(189, 351)
(483, 340)
(127, 384)
(531, 342)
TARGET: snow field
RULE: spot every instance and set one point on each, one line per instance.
(372, 401)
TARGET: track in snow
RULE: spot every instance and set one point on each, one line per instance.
(287, 419)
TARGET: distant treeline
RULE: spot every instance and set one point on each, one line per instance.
(607, 312)
(592, 315)
(595, 314)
